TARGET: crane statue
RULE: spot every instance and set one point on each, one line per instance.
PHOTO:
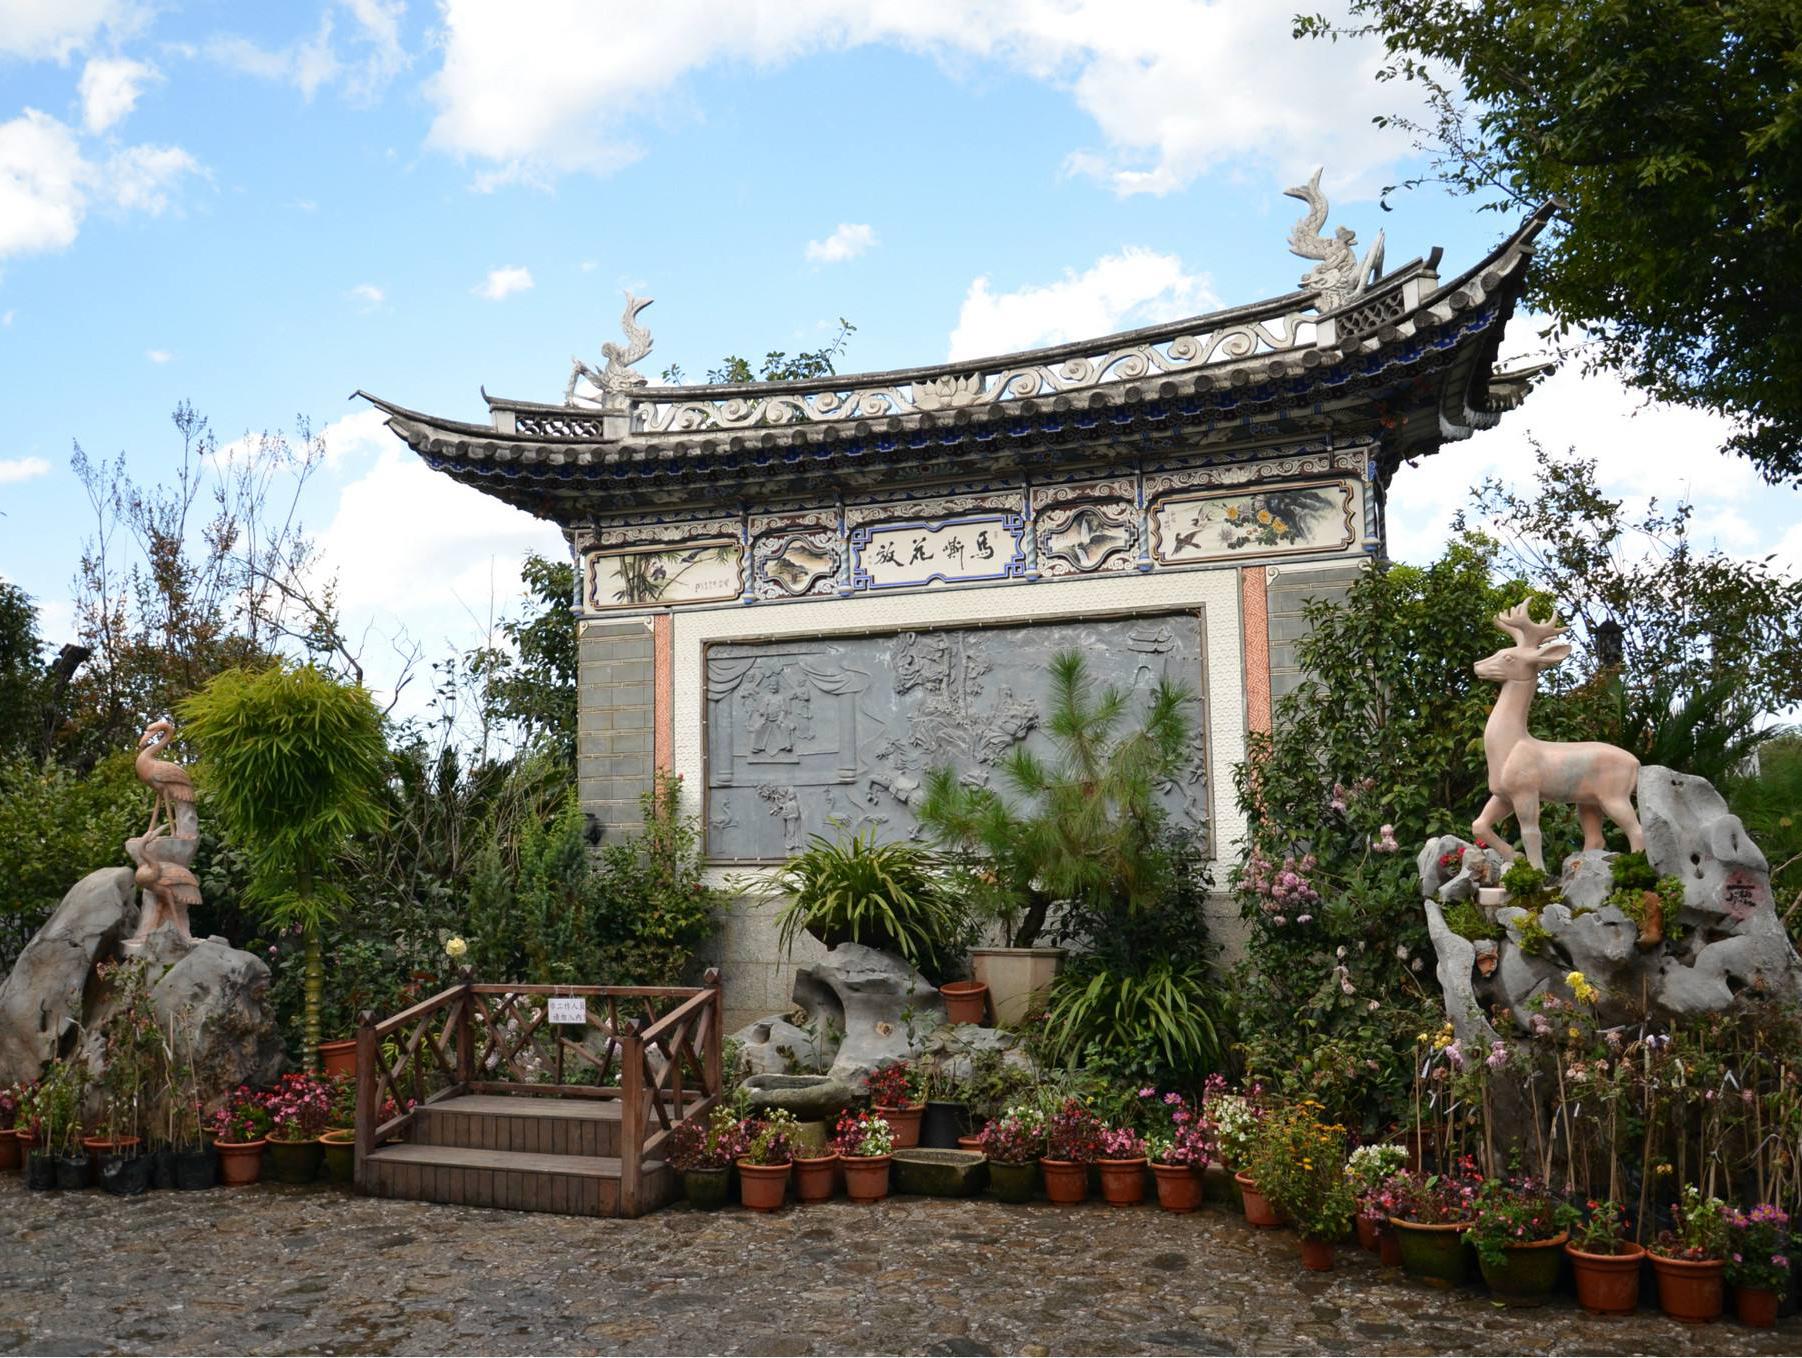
(164, 853)
(1524, 772)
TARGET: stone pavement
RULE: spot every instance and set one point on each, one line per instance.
(314, 1270)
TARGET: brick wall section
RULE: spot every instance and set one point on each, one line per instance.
(614, 723)
(1286, 590)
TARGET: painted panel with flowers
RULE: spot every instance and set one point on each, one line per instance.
(1319, 517)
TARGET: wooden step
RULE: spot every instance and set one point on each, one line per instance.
(534, 1126)
(523, 1181)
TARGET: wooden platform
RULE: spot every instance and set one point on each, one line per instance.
(523, 1153)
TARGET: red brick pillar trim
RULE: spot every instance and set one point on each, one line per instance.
(1254, 642)
(664, 678)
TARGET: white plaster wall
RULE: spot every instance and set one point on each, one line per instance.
(757, 977)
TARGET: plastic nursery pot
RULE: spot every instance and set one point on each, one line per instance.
(866, 1177)
(1179, 1187)
(102, 1149)
(1123, 1182)
(904, 1123)
(11, 1154)
(816, 1177)
(1607, 1284)
(162, 1167)
(294, 1162)
(965, 1001)
(1689, 1290)
(705, 1188)
(1012, 1182)
(1258, 1211)
(72, 1171)
(1755, 1306)
(1317, 1255)
(762, 1187)
(1066, 1181)
(126, 1176)
(338, 1058)
(338, 1152)
(1433, 1253)
(1527, 1273)
(40, 1171)
(944, 1125)
(240, 1162)
(195, 1170)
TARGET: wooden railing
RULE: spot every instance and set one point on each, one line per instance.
(656, 1049)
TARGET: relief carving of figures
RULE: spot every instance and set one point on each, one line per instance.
(785, 804)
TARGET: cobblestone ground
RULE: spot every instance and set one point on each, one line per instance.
(294, 1270)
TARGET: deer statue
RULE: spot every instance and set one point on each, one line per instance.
(1523, 772)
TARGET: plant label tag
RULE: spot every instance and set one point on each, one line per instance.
(568, 1009)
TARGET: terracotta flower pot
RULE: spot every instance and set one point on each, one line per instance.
(338, 1058)
(1528, 1272)
(1123, 1182)
(1179, 1187)
(1433, 1253)
(866, 1177)
(1258, 1211)
(904, 1123)
(969, 1143)
(240, 1162)
(1012, 1182)
(1368, 1236)
(1608, 1284)
(1389, 1247)
(1066, 1181)
(816, 1177)
(762, 1187)
(12, 1155)
(1755, 1306)
(1689, 1290)
(1317, 1255)
(965, 1001)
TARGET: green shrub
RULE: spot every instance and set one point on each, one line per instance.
(1149, 1026)
(1467, 920)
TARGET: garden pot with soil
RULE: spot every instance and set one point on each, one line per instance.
(126, 1176)
(12, 1155)
(338, 1058)
(1690, 1290)
(40, 1171)
(705, 1188)
(1258, 1211)
(162, 1167)
(1369, 1238)
(196, 1169)
(102, 1150)
(1756, 1306)
(945, 1124)
(338, 1153)
(72, 1171)
(1179, 1187)
(294, 1162)
(1608, 1284)
(903, 1123)
(965, 1001)
(970, 1143)
(816, 1177)
(1435, 1253)
(866, 1177)
(1527, 1273)
(762, 1187)
(240, 1162)
(1317, 1255)
(1013, 1182)
(1066, 1181)
(1123, 1182)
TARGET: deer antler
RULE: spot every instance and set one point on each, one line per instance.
(1519, 624)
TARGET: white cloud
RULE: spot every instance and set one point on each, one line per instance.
(53, 30)
(1117, 292)
(362, 67)
(109, 89)
(6, 317)
(354, 436)
(369, 295)
(848, 242)
(1175, 87)
(503, 282)
(47, 184)
(158, 356)
(15, 469)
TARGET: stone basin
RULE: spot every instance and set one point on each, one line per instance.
(811, 1098)
(940, 1173)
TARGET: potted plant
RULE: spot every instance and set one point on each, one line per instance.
(240, 1131)
(59, 1099)
(1758, 1263)
(768, 1157)
(703, 1156)
(1072, 1143)
(1429, 1214)
(865, 1141)
(1013, 1143)
(965, 1001)
(134, 1073)
(300, 1108)
(338, 1142)
(816, 1172)
(1690, 1258)
(1178, 1143)
(1518, 1230)
(946, 1120)
(12, 1157)
(1235, 1118)
(1122, 1162)
(1368, 1168)
(895, 1096)
(1605, 1262)
(1298, 1164)
(39, 1160)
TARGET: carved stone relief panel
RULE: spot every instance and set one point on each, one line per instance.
(833, 735)
(795, 556)
(1082, 539)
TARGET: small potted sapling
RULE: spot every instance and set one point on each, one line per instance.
(60, 1095)
(1122, 1161)
(1072, 1143)
(1605, 1261)
(1758, 1263)
(299, 1107)
(1368, 1169)
(11, 1153)
(240, 1131)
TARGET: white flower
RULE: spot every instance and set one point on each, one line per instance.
(455, 948)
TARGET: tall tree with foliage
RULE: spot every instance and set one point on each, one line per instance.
(533, 688)
(292, 762)
(1672, 131)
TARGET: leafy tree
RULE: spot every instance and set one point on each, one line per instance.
(534, 688)
(1769, 800)
(1672, 131)
(778, 365)
(292, 762)
(21, 672)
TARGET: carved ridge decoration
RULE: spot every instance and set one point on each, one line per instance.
(1044, 496)
(1253, 522)
(1305, 464)
(661, 534)
(934, 507)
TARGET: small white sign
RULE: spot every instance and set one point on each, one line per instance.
(568, 1009)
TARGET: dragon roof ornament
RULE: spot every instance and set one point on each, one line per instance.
(1339, 277)
(619, 376)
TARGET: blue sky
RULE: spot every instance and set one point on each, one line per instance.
(260, 208)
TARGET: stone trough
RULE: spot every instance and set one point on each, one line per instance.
(940, 1174)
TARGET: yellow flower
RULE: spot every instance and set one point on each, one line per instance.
(1580, 986)
(1232, 512)
(455, 947)
(1574, 1031)
(1278, 526)
(1665, 1169)
(1263, 516)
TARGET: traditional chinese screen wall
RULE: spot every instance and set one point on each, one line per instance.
(828, 735)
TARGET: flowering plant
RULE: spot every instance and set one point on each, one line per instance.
(1519, 1212)
(1235, 1121)
(1017, 1137)
(1698, 1230)
(300, 1107)
(9, 1104)
(1605, 1230)
(1122, 1143)
(1074, 1133)
(1426, 1200)
(863, 1134)
(713, 1146)
(1298, 1163)
(894, 1086)
(1369, 1166)
(342, 1115)
(243, 1118)
(771, 1138)
(1758, 1248)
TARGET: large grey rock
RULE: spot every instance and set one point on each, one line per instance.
(777, 1045)
(868, 996)
(1587, 879)
(1692, 835)
(41, 1002)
